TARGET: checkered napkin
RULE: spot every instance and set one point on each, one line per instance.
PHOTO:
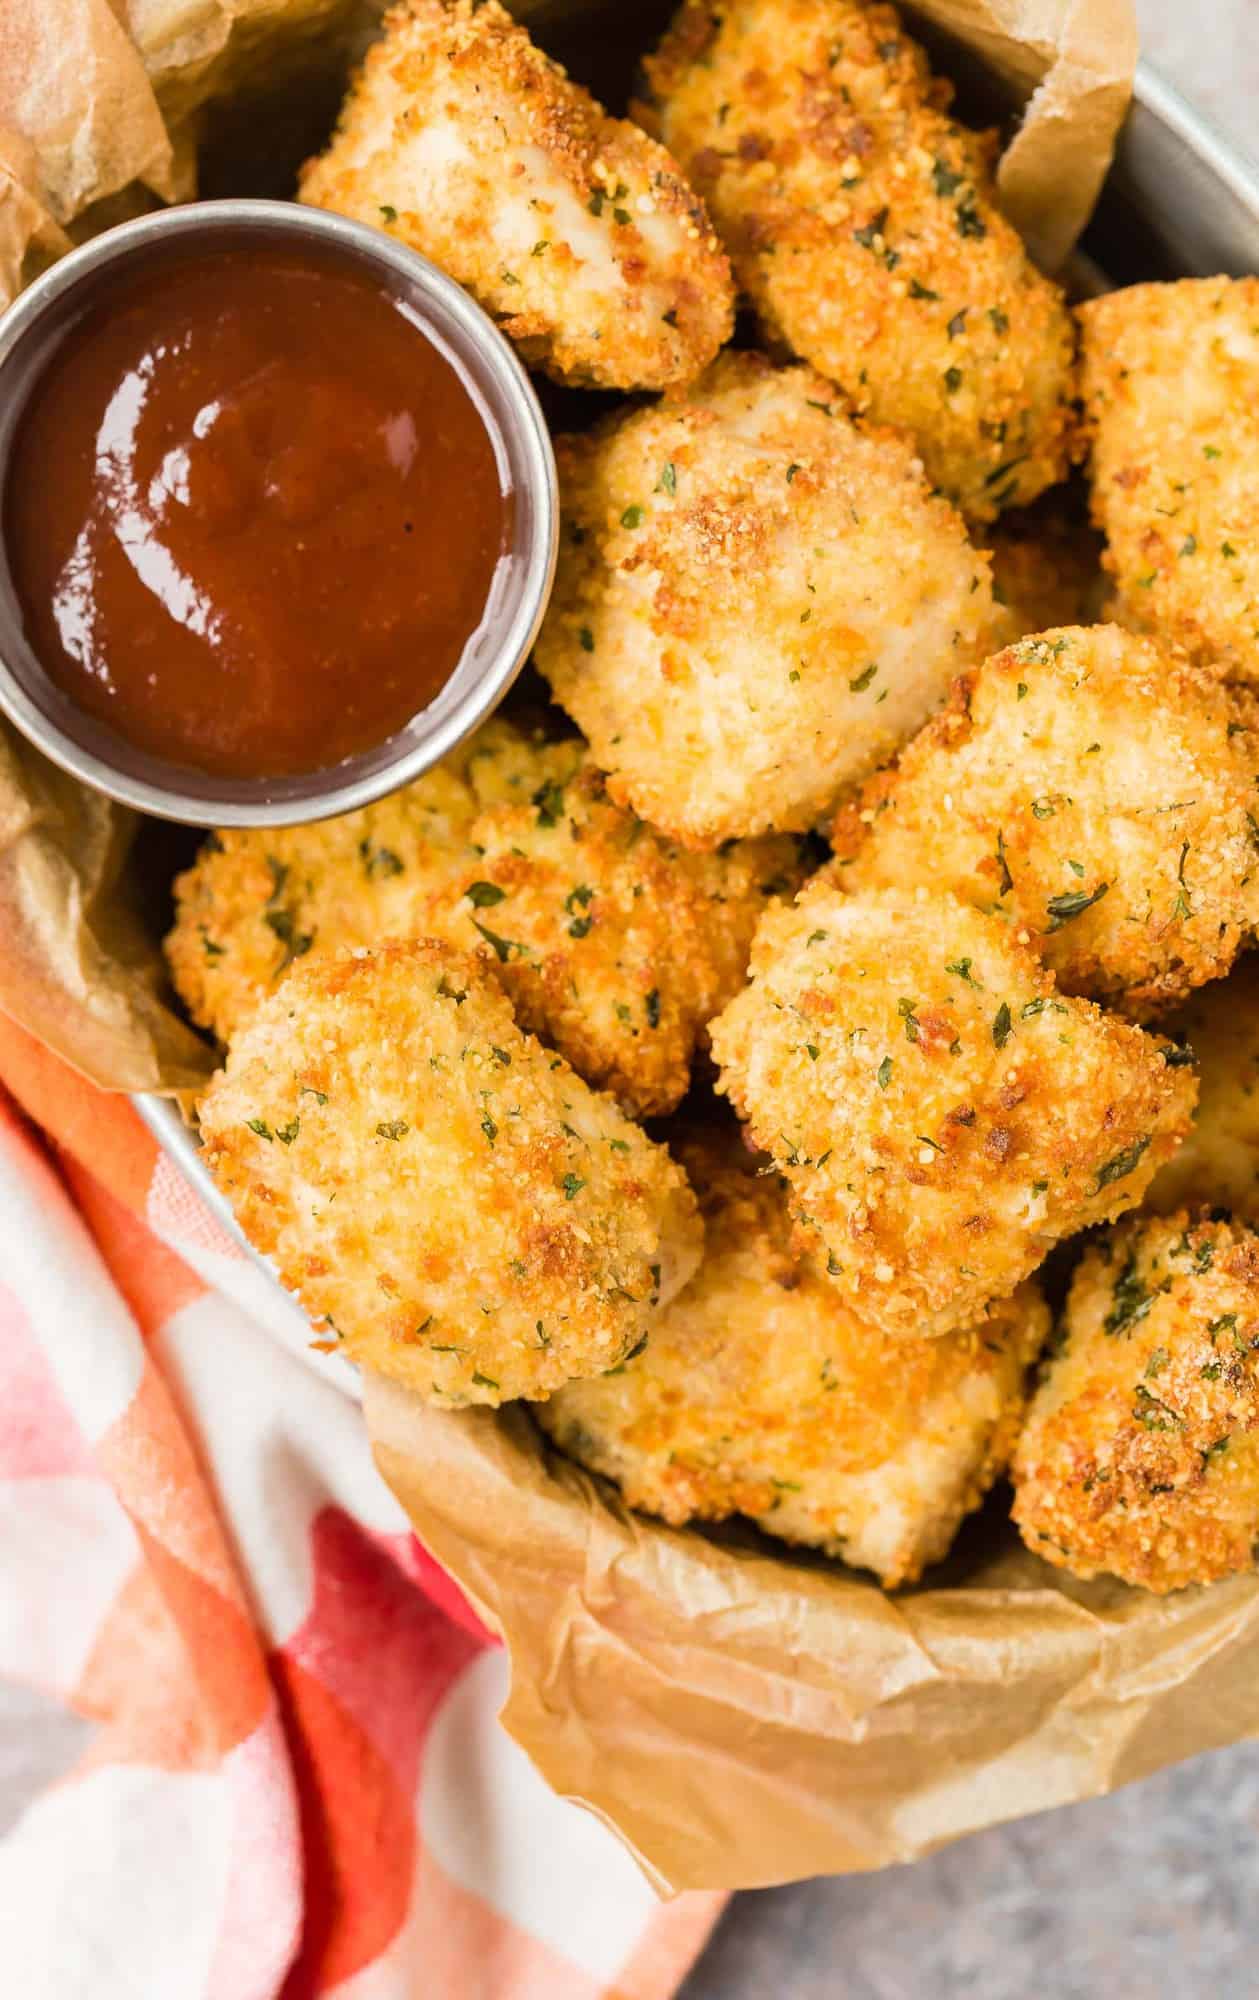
(286, 1778)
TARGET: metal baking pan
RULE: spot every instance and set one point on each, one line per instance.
(1179, 201)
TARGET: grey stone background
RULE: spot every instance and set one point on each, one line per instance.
(1151, 1894)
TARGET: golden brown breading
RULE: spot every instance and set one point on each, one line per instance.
(1218, 1165)
(259, 898)
(863, 224)
(466, 1215)
(756, 601)
(1046, 569)
(1097, 790)
(577, 232)
(1140, 1456)
(758, 1393)
(941, 1114)
(613, 944)
(1170, 379)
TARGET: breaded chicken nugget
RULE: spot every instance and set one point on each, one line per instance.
(1218, 1165)
(941, 1114)
(756, 601)
(576, 231)
(464, 1213)
(1046, 569)
(1098, 791)
(259, 898)
(1170, 380)
(1140, 1456)
(613, 944)
(758, 1393)
(862, 222)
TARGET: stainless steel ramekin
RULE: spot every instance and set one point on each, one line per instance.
(30, 331)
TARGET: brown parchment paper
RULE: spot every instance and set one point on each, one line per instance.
(78, 966)
(30, 239)
(740, 1715)
(194, 50)
(1070, 63)
(742, 1718)
(73, 84)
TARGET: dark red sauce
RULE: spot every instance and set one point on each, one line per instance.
(253, 511)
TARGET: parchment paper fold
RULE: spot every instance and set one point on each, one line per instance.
(743, 1718)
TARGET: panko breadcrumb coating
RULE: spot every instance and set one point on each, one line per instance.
(1170, 380)
(613, 944)
(1097, 791)
(258, 899)
(942, 1115)
(1140, 1456)
(1218, 1165)
(759, 1393)
(463, 1212)
(576, 231)
(756, 601)
(1046, 569)
(862, 222)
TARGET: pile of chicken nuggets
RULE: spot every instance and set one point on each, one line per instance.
(719, 1078)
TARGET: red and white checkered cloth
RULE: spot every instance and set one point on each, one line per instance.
(295, 1783)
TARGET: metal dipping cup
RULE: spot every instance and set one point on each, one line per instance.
(89, 749)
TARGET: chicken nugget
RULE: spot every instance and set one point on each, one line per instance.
(759, 1393)
(942, 1115)
(1140, 1456)
(1218, 1165)
(457, 1206)
(756, 601)
(1046, 569)
(257, 899)
(863, 224)
(1170, 381)
(574, 230)
(1094, 789)
(613, 944)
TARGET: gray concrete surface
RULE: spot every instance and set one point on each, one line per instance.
(1151, 1894)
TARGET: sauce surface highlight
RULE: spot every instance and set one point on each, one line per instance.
(253, 513)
